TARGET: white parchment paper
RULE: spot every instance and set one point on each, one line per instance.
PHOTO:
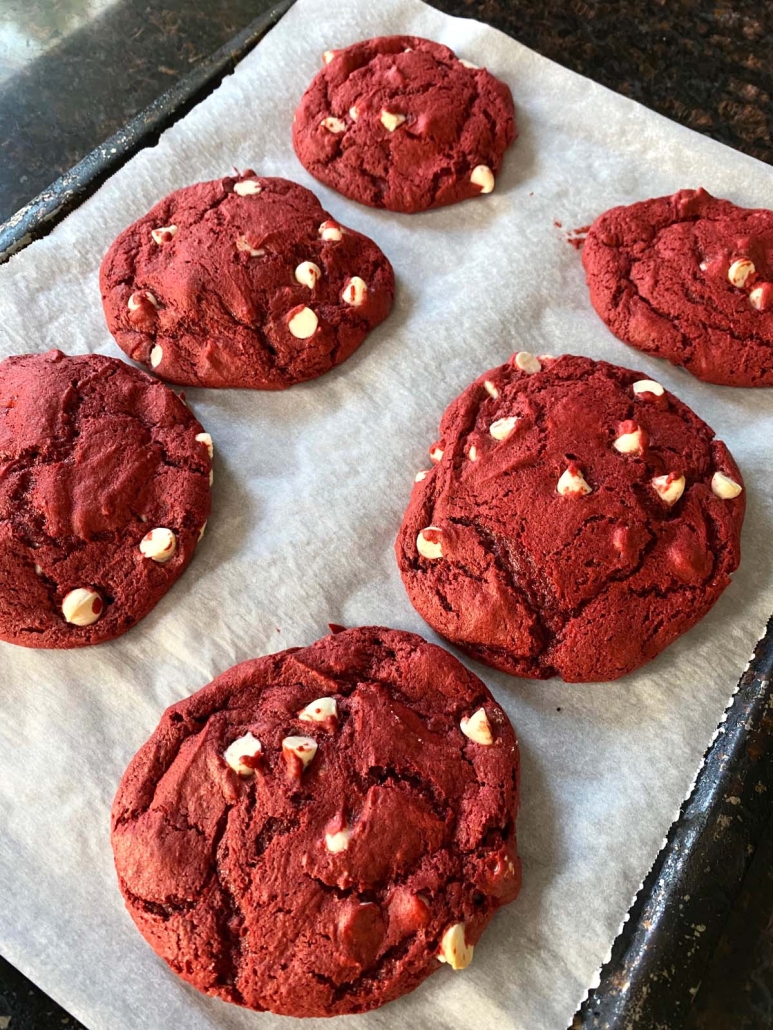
(310, 486)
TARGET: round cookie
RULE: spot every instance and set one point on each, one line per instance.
(316, 831)
(245, 282)
(104, 493)
(577, 520)
(400, 122)
(688, 278)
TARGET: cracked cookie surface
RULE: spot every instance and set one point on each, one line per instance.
(400, 122)
(104, 490)
(578, 519)
(322, 885)
(688, 278)
(243, 282)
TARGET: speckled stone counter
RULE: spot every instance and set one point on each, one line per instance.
(72, 72)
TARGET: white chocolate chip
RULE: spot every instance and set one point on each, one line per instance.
(247, 746)
(302, 747)
(490, 389)
(307, 274)
(572, 483)
(354, 292)
(482, 176)
(135, 301)
(436, 454)
(527, 362)
(328, 56)
(82, 606)
(648, 386)
(503, 427)
(391, 121)
(725, 487)
(160, 235)
(334, 125)
(303, 324)
(201, 531)
(159, 544)
(206, 439)
(740, 271)
(330, 231)
(244, 245)
(454, 948)
(319, 710)
(248, 188)
(156, 356)
(468, 64)
(38, 570)
(669, 487)
(430, 549)
(631, 441)
(472, 453)
(337, 842)
(477, 727)
(354, 113)
(757, 296)
(211, 476)
(420, 476)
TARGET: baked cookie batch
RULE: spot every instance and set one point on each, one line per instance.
(317, 831)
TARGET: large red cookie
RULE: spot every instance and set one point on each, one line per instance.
(315, 831)
(688, 278)
(400, 122)
(245, 282)
(104, 493)
(578, 519)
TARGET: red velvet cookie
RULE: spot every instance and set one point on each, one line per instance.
(243, 282)
(104, 493)
(400, 122)
(688, 278)
(316, 831)
(578, 519)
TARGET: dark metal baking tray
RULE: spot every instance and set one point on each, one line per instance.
(659, 957)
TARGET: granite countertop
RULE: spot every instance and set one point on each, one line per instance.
(72, 72)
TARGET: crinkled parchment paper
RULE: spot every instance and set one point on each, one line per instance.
(310, 486)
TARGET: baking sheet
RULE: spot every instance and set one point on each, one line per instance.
(310, 486)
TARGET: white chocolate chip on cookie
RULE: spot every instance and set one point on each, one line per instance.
(645, 386)
(320, 710)
(334, 125)
(354, 292)
(739, 272)
(163, 234)
(338, 841)
(243, 753)
(302, 747)
(159, 544)
(725, 487)
(206, 439)
(82, 606)
(307, 274)
(669, 488)
(330, 231)
(477, 728)
(572, 483)
(431, 546)
(391, 120)
(630, 439)
(454, 948)
(303, 323)
(490, 389)
(248, 188)
(244, 245)
(156, 356)
(527, 362)
(503, 427)
(482, 176)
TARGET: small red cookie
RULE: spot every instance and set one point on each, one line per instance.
(104, 493)
(577, 520)
(245, 282)
(400, 122)
(688, 278)
(316, 831)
